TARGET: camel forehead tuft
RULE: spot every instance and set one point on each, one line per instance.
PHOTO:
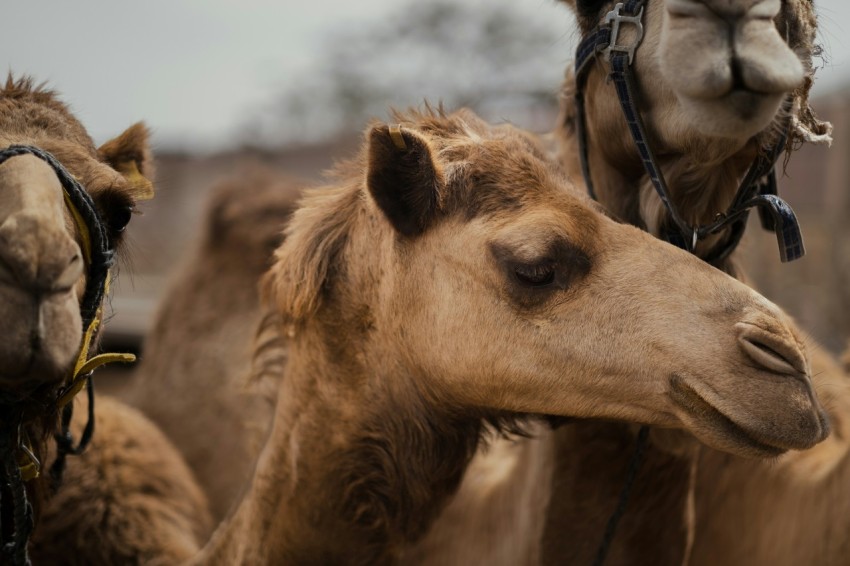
(25, 87)
(32, 111)
(488, 169)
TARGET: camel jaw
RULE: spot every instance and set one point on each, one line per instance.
(737, 114)
(719, 429)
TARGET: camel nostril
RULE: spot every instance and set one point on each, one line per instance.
(70, 275)
(775, 357)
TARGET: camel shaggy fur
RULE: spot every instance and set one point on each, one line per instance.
(445, 244)
(129, 499)
(42, 279)
(197, 357)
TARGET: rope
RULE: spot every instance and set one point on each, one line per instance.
(22, 513)
(65, 440)
(625, 493)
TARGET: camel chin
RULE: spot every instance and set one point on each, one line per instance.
(736, 429)
(739, 114)
(739, 413)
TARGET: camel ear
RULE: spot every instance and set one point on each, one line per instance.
(403, 178)
(130, 155)
(589, 11)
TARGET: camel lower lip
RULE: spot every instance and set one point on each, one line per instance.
(36, 374)
(687, 398)
(17, 376)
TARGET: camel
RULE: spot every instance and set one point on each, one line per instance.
(707, 115)
(705, 141)
(443, 245)
(60, 222)
(198, 353)
(706, 119)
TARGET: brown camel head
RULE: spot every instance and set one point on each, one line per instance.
(716, 82)
(42, 265)
(453, 260)
(713, 69)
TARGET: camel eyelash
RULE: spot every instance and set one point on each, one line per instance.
(536, 275)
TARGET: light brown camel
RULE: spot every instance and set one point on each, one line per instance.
(451, 280)
(197, 355)
(707, 111)
(130, 471)
(711, 77)
(706, 140)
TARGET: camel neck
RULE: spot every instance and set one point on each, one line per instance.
(350, 472)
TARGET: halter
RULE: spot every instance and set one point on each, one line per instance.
(758, 188)
(19, 463)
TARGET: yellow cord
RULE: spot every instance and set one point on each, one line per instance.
(81, 226)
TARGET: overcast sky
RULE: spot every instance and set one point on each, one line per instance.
(192, 69)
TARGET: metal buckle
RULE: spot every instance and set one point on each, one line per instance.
(614, 18)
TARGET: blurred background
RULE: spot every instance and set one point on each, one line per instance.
(226, 84)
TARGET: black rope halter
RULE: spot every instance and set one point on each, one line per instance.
(758, 188)
(99, 254)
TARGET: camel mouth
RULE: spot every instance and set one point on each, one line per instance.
(36, 373)
(749, 104)
(739, 112)
(717, 429)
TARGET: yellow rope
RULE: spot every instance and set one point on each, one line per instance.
(85, 365)
(81, 226)
(27, 462)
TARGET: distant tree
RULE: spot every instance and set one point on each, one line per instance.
(487, 56)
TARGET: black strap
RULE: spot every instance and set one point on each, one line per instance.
(624, 84)
(623, 500)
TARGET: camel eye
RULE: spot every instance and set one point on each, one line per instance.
(119, 217)
(116, 211)
(536, 275)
